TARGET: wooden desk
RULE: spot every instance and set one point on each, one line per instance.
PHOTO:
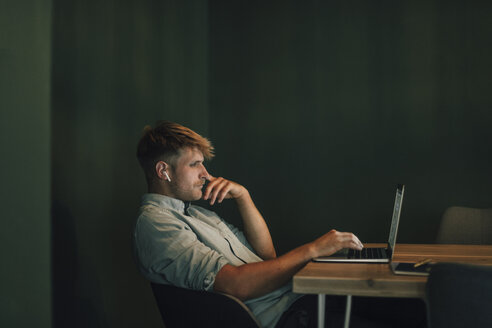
(377, 279)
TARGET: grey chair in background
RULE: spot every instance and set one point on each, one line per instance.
(463, 225)
(459, 295)
(185, 308)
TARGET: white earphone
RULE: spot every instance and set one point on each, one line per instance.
(167, 176)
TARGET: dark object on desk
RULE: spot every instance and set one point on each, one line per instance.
(183, 308)
(463, 225)
(410, 269)
(459, 295)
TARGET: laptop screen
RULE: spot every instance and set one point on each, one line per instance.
(396, 218)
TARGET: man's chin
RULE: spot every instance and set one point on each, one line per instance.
(197, 196)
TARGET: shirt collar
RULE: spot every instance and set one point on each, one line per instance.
(164, 201)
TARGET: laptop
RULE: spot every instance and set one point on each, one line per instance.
(375, 254)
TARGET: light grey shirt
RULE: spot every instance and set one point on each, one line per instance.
(188, 248)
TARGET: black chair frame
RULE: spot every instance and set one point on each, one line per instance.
(183, 308)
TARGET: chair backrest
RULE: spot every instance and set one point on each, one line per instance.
(463, 225)
(459, 295)
(182, 308)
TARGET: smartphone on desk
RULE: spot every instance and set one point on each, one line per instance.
(410, 268)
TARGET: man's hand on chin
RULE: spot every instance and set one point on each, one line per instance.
(219, 189)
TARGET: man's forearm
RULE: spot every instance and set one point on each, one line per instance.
(256, 279)
(255, 227)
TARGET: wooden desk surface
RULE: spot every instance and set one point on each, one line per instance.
(377, 279)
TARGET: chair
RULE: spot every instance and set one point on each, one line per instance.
(463, 225)
(459, 295)
(182, 308)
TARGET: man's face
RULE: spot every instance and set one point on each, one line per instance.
(188, 175)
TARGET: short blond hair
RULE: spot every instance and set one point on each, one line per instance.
(165, 140)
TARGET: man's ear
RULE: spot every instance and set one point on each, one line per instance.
(161, 170)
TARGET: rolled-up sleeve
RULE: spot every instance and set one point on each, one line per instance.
(170, 249)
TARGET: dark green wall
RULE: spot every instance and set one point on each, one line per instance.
(117, 65)
(25, 284)
(321, 107)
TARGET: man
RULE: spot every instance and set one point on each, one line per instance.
(189, 246)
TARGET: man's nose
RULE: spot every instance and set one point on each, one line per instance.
(205, 174)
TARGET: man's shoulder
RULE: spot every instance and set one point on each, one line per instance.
(152, 211)
(156, 215)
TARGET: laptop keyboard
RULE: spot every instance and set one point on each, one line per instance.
(367, 253)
